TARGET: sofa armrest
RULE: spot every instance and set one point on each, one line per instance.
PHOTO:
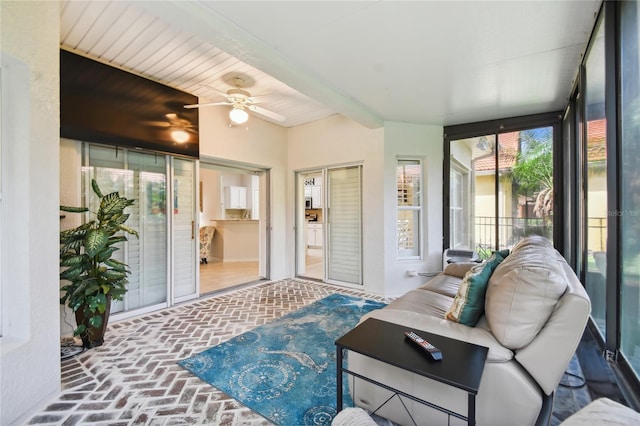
(547, 357)
(549, 354)
(458, 269)
(443, 327)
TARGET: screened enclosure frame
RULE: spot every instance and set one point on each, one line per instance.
(497, 127)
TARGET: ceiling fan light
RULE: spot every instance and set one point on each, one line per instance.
(179, 135)
(238, 115)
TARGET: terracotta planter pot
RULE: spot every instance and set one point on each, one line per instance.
(94, 336)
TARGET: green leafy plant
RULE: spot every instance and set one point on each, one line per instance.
(484, 253)
(93, 277)
(533, 172)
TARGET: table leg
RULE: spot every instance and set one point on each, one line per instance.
(338, 379)
(471, 415)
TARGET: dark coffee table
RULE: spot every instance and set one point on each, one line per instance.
(461, 365)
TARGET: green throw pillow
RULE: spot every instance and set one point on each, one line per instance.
(468, 305)
(504, 253)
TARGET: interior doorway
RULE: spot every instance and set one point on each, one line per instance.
(232, 225)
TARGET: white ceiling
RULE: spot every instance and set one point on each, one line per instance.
(425, 62)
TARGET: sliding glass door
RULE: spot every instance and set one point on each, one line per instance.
(147, 254)
(329, 225)
(629, 213)
(183, 229)
(594, 150)
(162, 263)
(344, 225)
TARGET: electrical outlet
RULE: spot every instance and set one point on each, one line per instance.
(412, 273)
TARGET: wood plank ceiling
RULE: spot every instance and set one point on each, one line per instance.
(121, 34)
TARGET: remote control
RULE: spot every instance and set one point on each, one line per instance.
(434, 352)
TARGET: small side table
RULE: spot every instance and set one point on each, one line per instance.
(461, 366)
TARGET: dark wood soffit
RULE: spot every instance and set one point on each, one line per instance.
(100, 103)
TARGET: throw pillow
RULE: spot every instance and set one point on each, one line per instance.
(504, 253)
(468, 305)
(523, 292)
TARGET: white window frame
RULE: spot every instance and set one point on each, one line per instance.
(456, 167)
(402, 254)
(1, 210)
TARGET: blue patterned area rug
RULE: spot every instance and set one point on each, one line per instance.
(286, 370)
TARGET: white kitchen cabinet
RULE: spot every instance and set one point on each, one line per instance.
(315, 237)
(316, 197)
(235, 197)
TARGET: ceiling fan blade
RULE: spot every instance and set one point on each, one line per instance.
(207, 104)
(269, 114)
(157, 123)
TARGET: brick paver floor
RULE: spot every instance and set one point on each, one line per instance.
(133, 379)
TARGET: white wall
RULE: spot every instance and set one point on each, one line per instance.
(30, 345)
(211, 196)
(416, 141)
(338, 140)
(260, 144)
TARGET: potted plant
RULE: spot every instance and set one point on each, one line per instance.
(93, 278)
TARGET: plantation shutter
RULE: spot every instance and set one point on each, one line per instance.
(147, 255)
(184, 231)
(345, 225)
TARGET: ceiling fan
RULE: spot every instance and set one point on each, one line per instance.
(179, 127)
(240, 101)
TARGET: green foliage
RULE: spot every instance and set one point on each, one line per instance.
(533, 171)
(91, 276)
(484, 252)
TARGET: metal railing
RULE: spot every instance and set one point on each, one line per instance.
(512, 229)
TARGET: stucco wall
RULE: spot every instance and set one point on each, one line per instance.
(404, 140)
(336, 141)
(211, 196)
(30, 362)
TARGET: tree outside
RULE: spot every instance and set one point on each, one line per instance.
(532, 172)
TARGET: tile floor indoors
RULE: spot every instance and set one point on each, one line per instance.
(133, 379)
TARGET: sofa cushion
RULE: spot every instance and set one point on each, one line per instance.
(523, 291)
(423, 301)
(468, 304)
(443, 284)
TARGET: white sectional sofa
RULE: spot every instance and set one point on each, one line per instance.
(535, 311)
